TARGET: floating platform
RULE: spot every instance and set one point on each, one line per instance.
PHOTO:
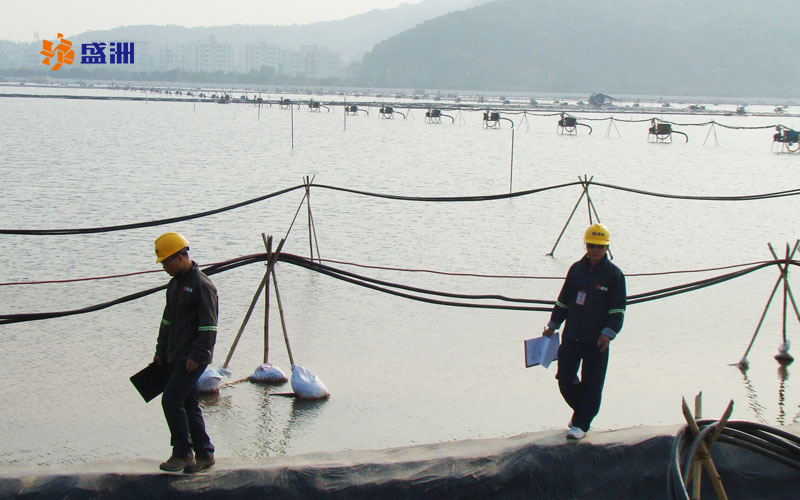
(629, 463)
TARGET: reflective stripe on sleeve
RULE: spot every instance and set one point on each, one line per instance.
(207, 329)
(165, 322)
(616, 311)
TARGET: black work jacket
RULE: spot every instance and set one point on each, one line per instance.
(189, 325)
(603, 308)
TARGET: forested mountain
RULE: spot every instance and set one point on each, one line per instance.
(681, 47)
(351, 37)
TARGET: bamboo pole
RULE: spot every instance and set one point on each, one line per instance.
(743, 362)
(268, 245)
(588, 199)
(786, 281)
(784, 270)
(696, 466)
(704, 454)
(785, 294)
(316, 239)
(511, 176)
(252, 306)
(308, 207)
(283, 320)
(246, 318)
(596, 215)
(574, 209)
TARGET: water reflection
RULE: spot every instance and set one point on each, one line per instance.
(215, 399)
(758, 408)
(276, 439)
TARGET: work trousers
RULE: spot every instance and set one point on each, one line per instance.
(182, 411)
(582, 394)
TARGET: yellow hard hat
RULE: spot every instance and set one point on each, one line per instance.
(169, 244)
(597, 234)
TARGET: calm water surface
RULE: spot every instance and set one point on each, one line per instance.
(400, 372)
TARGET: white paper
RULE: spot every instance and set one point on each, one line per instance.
(541, 350)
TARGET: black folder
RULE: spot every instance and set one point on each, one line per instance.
(150, 381)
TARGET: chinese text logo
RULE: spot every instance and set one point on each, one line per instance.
(95, 53)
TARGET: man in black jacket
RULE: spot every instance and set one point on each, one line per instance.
(186, 346)
(592, 300)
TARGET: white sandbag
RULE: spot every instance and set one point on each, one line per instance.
(209, 381)
(307, 385)
(268, 374)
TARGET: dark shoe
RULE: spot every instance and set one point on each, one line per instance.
(177, 462)
(201, 462)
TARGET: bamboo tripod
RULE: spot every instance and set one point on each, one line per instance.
(524, 120)
(585, 182)
(272, 258)
(783, 357)
(608, 130)
(702, 456)
(712, 129)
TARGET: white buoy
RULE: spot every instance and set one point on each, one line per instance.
(268, 373)
(306, 385)
(783, 355)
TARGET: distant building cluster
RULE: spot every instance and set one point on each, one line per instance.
(210, 55)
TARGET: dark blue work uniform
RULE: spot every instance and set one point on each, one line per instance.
(188, 331)
(592, 301)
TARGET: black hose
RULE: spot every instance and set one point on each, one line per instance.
(772, 443)
(434, 199)
(388, 287)
(136, 225)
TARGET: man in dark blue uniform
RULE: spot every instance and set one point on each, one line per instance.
(185, 345)
(592, 301)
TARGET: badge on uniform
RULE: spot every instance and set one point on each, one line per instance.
(581, 298)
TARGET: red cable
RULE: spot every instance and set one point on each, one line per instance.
(385, 268)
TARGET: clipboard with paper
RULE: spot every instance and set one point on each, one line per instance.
(541, 350)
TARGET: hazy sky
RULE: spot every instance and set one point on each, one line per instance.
(21, 18)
